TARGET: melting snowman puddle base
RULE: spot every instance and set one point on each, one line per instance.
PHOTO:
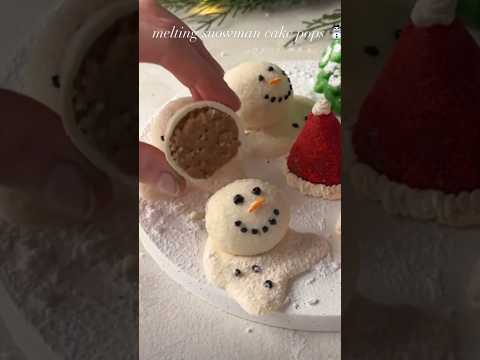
(173, 232)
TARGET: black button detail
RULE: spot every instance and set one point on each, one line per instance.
(371, 50)
(256, 191)
(243, 230)
(295, 125)
(56, 81)
(237, 273)
(270, 68)
(238, 223)
(276, 212)
(260, 78)
(238, 199)
(267, 96)
(265, 229)
(268, 284)
(162, 138)
(272, 221)
(254, 231)
(256, 268)
(273, 99)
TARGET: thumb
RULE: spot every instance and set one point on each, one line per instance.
(38, 157)
(155, 171)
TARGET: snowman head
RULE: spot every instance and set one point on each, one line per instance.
(336, 32)
(265, 91)
(247, 217)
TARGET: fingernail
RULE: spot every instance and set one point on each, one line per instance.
(168, 184)
(67, 190)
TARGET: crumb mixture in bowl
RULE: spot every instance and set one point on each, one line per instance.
(105, 95)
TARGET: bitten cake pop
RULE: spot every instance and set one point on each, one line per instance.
(417, 137)
(314, 162)
(270, 113)
(250, 250)
(200, 140)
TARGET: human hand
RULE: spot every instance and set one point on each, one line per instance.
(194, 67)
(38, 157)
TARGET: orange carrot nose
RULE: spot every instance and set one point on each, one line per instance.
(257, 204)
(275, 81)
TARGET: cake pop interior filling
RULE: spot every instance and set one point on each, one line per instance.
(105, 94)
(203, 141)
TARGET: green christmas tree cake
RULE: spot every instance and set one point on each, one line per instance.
(329, 79)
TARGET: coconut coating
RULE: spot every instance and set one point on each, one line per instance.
(265, 92)
(247, 217)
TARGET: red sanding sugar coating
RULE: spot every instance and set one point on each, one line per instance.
(316, 155)
(420, 124)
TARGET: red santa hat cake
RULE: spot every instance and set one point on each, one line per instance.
(417, 138)
(313, 165)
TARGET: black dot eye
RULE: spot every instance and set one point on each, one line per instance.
(276, 212)
(261, 78)
(238, 199)
(238, 223)
(270, 68)
(256, 191)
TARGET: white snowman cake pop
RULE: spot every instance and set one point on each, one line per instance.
(271, 114)
(248, 217)
(251, 252)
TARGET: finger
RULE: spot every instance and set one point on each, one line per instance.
(191, 64)
(38, 157)
(155, 170)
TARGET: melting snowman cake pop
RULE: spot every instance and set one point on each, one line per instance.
(271, 114)
(250, 250)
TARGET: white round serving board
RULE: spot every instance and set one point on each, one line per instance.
(173, 231)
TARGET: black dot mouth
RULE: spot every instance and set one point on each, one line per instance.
(279, 99)
(272, 221)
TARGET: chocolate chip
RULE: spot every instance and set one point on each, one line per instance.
(270, 68)
(295, 125)
(256, 191)
(56, 81)
(272, 221)
(261, 78)
(243, 230)
(276, 212)
(237, 273)
(268, 284)
(267, 96)
(238, 223)
(371, 50)
(256, 268)
(238, 199)
(265, 229)
(254, 231)
(273, 99)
